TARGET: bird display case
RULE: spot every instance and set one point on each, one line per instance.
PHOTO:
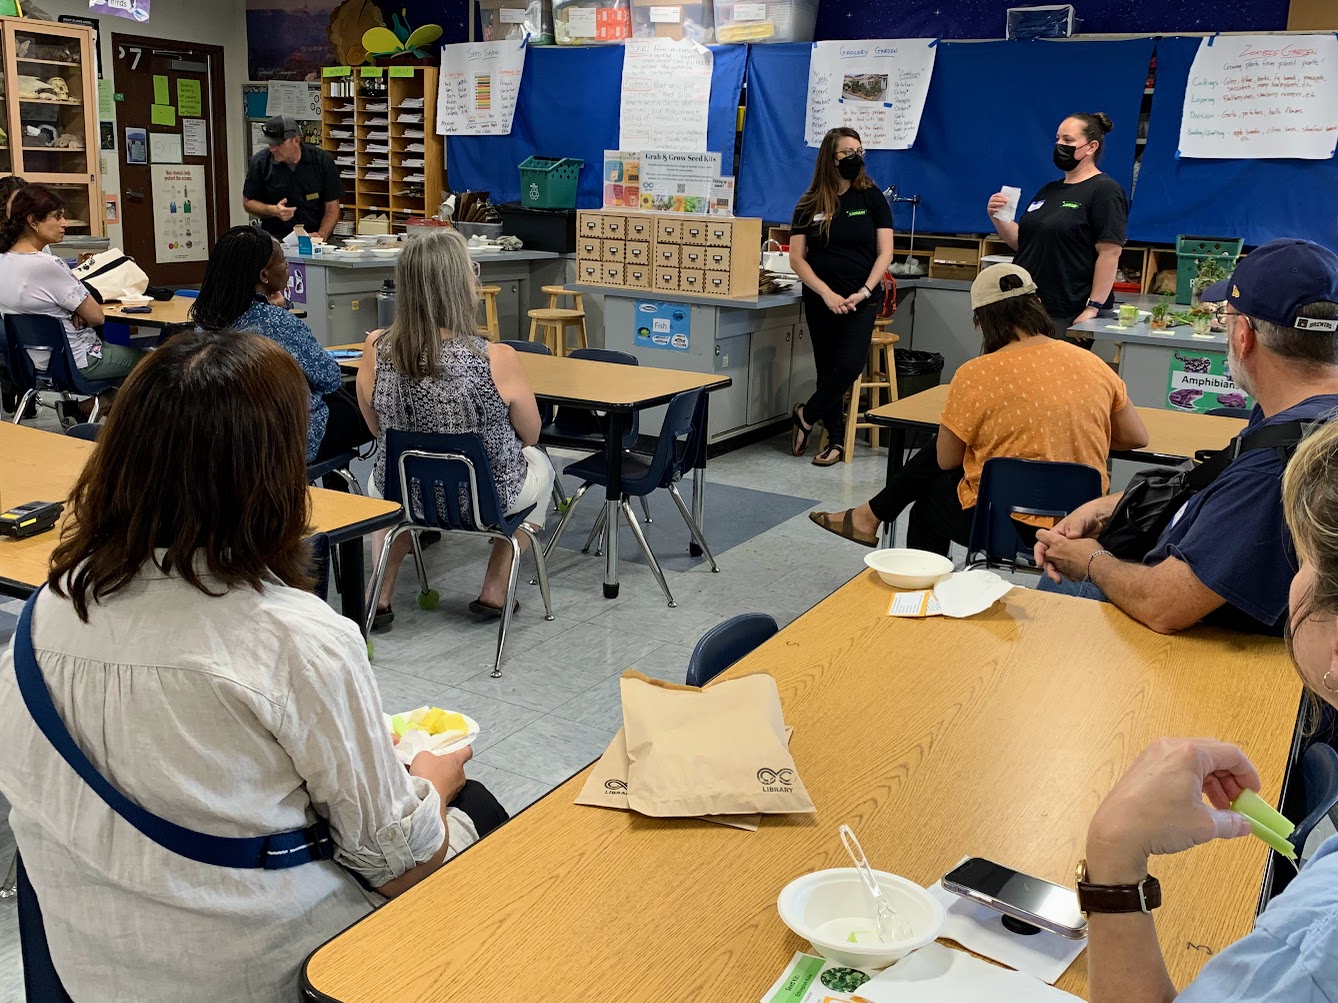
(48, 114)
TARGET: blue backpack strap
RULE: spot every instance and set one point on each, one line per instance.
(283, 849)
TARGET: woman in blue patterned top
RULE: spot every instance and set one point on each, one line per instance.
(1291, 956)
(243, 290)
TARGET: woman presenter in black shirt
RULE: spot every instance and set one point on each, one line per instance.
(840, 247)
(1070, 235)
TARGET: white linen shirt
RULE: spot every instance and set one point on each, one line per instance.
(37, 282)
(243, 714)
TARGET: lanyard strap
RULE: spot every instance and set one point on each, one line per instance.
(280, 850)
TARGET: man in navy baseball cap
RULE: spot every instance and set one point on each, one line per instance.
(1227, 556)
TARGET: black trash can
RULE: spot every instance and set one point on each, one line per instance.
(917, 372)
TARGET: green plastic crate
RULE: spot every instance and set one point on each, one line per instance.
(549, 182)
(1190, 250)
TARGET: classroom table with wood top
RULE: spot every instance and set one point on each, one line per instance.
(43, 466)
(993, 736)
(1173, 436)
(620, 391)
(163, 313)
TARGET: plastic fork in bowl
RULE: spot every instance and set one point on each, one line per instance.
(885, 917)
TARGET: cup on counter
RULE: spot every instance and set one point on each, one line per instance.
(1128, 315)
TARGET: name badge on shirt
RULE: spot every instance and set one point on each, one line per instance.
(852, 213)
(1035, 205)
(313, 196)
(819, 217)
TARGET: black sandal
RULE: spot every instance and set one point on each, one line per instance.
(799, 436)
(485, 612)
(834, 452)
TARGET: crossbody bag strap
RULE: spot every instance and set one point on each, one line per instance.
(274, 852)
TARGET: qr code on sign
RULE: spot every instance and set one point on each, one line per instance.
(682, 189)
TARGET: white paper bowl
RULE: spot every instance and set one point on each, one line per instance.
(416, 741)
(385, 252)
(808, 902)
(909, 569)
(136, 300)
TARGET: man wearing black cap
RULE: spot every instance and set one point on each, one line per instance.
(292, 183)
(1226, 556)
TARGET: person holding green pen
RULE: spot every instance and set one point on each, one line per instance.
(1158, 807)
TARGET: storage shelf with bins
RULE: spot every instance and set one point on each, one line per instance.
(362, 127)
(48, 112)
(669, 253)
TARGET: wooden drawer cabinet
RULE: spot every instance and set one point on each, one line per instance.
(666, 279)
(615, 227)
(691, 280)
(615, 250)
(638, 252)
(589, 249)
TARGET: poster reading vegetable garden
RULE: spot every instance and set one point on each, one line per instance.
(1201, 381)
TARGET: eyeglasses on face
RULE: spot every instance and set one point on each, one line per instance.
(843, 154)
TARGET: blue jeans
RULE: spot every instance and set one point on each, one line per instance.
(1083, 590)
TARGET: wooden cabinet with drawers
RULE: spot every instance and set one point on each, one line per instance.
(698, 255)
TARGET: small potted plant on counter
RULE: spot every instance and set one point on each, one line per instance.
(1160, 312)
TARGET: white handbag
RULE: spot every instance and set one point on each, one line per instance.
(113, 275)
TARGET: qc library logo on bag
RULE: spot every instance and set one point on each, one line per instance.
(776, 781)
(615, 786)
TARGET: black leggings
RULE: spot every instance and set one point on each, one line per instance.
(346, 429)
(937, 517)
(840, 352)
(484, 810)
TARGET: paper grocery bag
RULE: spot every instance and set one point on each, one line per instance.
(606, 786)
(714, 751)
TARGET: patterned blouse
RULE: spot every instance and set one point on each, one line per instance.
(322, 371)
(461, 398)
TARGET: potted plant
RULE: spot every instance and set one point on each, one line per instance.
(1210, 270)
(1160, 312)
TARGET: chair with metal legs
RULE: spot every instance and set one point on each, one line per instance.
(643, 474)
(42, 333)
(445, 482)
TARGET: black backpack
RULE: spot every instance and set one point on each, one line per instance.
(1154, 496)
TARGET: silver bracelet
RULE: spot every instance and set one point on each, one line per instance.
(1094, 556)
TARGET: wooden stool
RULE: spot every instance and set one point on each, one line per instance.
(550, 327)
(555, 297)
(491, 329)
(881, 382)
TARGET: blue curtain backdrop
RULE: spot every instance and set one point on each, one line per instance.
(1254, 199)
(986, 18)
(569, 107)
(989, 120)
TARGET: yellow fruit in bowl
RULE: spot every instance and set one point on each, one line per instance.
(436, 721)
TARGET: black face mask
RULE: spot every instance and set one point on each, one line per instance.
(850, 167)
(1064, 158)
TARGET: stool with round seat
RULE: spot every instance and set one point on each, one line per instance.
(880, 379)
(491, 329)
(554, 320)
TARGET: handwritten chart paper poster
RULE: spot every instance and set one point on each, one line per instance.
(876, 87)
(666, 93)
(1262, 96)
(478, 86)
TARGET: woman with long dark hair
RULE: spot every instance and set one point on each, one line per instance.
(39, 283)
(1072, 232)
(243, 289)
(1026, 395)
(840, 247)
(183, 656)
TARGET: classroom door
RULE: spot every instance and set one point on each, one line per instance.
(173, 154)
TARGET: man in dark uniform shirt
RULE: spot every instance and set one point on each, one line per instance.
(292, 183)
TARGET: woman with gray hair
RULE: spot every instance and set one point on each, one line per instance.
(431, 371)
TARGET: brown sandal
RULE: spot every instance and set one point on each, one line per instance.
(834, 453)
(844, 528)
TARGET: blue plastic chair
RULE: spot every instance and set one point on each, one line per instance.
(1010, 486)
(86, 430)
(535, 348)
(189, 294)
(725, 643)
(445, 482)
(340, 466)
(582, 427)
(25, 331)
(643, 474)
(1319, 770)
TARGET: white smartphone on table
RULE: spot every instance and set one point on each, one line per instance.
(1040, 903)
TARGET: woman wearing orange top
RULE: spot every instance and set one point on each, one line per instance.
(1026, 395)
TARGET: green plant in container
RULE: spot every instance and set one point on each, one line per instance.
(1210, 270)
(1161, 311)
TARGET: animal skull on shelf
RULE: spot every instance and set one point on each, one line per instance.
(59, 88)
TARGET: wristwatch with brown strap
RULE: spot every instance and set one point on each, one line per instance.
(1142, 897)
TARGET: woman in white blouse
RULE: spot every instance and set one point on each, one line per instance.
(189, 665)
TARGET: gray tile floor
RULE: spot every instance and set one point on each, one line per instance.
(556, 706)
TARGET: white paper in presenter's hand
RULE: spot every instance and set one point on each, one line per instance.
(1008, 211)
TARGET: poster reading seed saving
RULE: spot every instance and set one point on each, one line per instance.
(1201, 381)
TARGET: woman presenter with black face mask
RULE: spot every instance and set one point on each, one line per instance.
(840, 247)
(1070, 235)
